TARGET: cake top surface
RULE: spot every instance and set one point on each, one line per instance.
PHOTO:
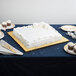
(37, 31)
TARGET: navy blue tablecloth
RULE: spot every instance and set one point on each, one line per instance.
(51, 51)
(48, 61)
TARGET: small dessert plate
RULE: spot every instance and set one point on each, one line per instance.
(8, 27)
(11, 26)
(68, 28)
(1, 34)
(69, 51)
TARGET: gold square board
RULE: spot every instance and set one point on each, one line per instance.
(34, 48)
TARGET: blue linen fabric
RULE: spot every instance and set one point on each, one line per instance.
(51, 51)
(48, 61)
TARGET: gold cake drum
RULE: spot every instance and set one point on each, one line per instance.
(34, 48)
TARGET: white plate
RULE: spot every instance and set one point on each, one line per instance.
(69, 51)
(10, 27)
(2, 35)
(68, 28)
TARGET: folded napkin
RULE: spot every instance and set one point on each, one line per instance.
(6, 51)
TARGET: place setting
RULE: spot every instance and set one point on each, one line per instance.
(70, 48)
(6, 48)
(70, 30)
(7, 25)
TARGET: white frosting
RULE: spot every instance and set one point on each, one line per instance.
(9, 21)
(36, 35)
(4, 23)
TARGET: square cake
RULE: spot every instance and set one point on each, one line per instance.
(37, 34)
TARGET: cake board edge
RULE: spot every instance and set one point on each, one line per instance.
(34, 48)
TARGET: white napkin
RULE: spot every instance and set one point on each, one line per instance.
(8, 52)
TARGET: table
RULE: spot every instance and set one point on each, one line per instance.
(52, 60)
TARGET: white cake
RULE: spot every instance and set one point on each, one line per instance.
(37, 34)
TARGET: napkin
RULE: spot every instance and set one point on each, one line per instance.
(6, 51)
